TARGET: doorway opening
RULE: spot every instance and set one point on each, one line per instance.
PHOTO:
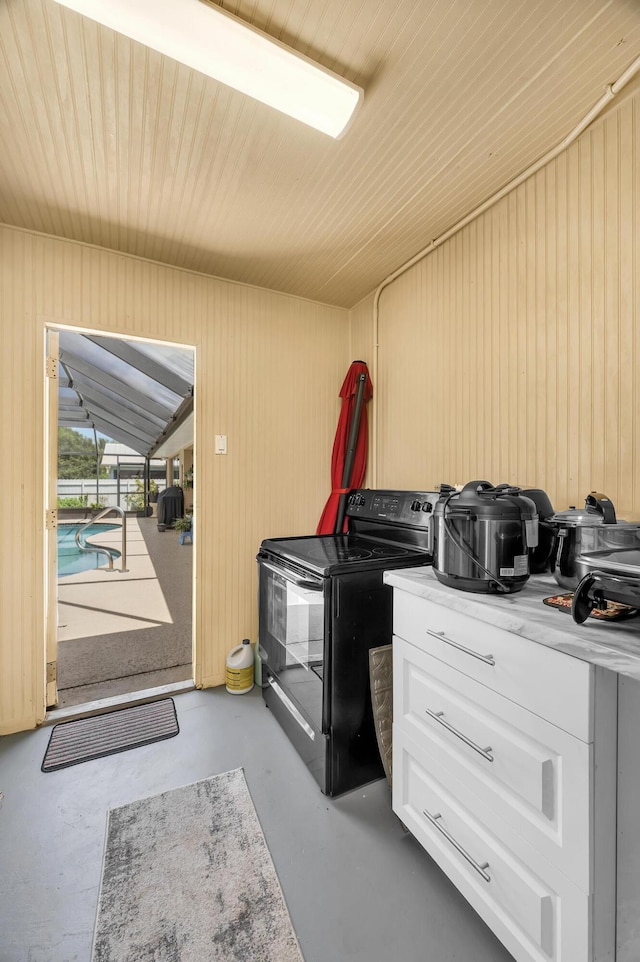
(121, 463)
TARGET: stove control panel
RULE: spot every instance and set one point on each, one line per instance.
(393, 507)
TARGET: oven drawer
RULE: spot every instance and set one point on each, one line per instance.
(534, 778)
(534, 909)
(310, 743)
(536, 677)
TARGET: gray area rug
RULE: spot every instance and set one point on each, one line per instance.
(187, 877)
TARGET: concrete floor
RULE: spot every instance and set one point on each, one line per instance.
(120, 632)
(357, 887)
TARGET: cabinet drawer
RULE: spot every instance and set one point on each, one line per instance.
(534, 778)
(538, 913)
(547, 682)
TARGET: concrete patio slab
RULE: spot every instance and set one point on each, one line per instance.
(118, 630)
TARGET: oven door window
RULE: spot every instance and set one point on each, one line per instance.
(292, 620)
(292, 631)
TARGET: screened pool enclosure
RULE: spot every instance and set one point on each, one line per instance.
(138, 393)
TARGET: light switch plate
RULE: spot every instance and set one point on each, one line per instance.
(221, 444)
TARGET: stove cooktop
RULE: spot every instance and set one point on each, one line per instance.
(324, 552)
(335, 549)
(386, 529)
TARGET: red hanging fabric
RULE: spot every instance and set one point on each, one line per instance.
(327, 522)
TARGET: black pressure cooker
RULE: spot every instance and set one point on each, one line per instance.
(482, 536)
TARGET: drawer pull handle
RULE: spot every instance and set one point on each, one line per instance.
(439, 717)
(480, 869)
(440, 635)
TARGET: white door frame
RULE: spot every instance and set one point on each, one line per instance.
(51, 518)
(52, 329)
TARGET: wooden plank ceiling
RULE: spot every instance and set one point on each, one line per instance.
(108, 142)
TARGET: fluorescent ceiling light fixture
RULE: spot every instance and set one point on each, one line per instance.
(206, 38)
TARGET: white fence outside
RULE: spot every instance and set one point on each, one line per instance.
(105, 491)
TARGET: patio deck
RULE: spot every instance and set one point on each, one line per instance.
(124, 632)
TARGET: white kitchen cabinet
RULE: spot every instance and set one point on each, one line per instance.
(505, 766)
(549, 683)
(538, 915)
(533, 779)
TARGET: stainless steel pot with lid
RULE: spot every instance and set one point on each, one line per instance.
(583, 530)
(482, 536)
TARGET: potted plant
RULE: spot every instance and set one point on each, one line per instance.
(184, 526)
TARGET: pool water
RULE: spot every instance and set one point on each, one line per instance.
(70, 559)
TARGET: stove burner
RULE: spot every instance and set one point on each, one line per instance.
(341, 550)
(390, 552)
(336, 552)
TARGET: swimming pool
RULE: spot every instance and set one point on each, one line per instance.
(70, 559)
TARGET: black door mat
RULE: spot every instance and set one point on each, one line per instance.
(81, 740)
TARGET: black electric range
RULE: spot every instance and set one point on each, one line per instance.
(322, 607)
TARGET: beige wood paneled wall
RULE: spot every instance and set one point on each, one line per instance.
(268, 369)
(512, 352)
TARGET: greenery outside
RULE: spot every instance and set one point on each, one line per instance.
(77, 456)
(80, 501)
(135, 501)
(183, 524)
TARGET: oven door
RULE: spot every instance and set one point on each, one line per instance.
(293, 613)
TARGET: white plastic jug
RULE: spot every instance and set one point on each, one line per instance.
(240, 668)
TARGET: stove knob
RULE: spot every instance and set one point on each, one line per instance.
(415, 506)
(361, 499)
(352, 499)
(427, 506)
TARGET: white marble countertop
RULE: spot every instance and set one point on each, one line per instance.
(613, 645)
